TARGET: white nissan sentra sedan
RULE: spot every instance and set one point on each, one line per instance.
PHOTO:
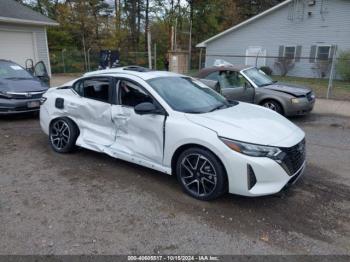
(175, 124)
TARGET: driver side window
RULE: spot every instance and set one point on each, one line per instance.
(131, 94)
(232, 79)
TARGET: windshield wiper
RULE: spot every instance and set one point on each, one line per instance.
(193, 112)
(218, 107)
(18, 78)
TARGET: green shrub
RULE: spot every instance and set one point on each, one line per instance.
(267, 70)
(343, 65)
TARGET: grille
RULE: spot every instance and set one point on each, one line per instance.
(14, 109)
(294, 158)
(32, 95)
(309, 96)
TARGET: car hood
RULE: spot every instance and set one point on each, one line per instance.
(252, 124)
(291, 89)
(22, 85)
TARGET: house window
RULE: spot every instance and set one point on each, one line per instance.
(289, 52)
(323, 52)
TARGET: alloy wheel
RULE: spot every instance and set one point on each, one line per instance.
(271, 106)
(60, 134)
(198, 175)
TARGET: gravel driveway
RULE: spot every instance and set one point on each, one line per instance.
(90, 203)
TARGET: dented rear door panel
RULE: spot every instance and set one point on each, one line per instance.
(95, 122)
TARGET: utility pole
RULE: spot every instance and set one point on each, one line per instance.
(191, 4)
(64, 65)
(146, 21)
(331, 75)
(84, 49)
(155, 56)
(190, 47)
(88, 59)
(149, 49)
(172, 39)
(175, 46)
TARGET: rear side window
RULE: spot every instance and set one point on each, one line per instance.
(94, 88)
(78, 87)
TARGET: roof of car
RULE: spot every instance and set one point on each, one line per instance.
(141, 72)
(208, 70)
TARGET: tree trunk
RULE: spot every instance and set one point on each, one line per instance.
(117, 15)
(138, 23)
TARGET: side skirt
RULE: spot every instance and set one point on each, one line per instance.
(125, 157)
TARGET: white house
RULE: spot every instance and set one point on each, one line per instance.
(306, 31)
(23, 34)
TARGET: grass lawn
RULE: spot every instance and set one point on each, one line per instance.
(341, 89)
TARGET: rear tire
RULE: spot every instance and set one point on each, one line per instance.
(201, 174)
(63, 134)
(273, 105)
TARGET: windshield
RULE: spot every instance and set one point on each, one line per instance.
(188, 95)
(258, 77)
(10, 70)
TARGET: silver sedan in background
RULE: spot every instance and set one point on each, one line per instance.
(249, 84)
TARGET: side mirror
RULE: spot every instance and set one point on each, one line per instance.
(146, 108)
(246, 85)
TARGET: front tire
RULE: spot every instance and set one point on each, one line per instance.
(63, 134)
(201, 174)
(273, 105)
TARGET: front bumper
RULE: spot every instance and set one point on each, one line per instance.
(269, 178)
(302, 108)
(17, 106)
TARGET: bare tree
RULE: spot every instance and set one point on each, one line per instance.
(285, 64)
(117, 7)
(323, 67)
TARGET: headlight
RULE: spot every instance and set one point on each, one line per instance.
(254, 150)
(42, 100)
(295, 100)
(4, 94)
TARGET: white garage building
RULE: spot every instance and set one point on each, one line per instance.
(23, 34)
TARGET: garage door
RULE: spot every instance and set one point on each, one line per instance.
(17, 46)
